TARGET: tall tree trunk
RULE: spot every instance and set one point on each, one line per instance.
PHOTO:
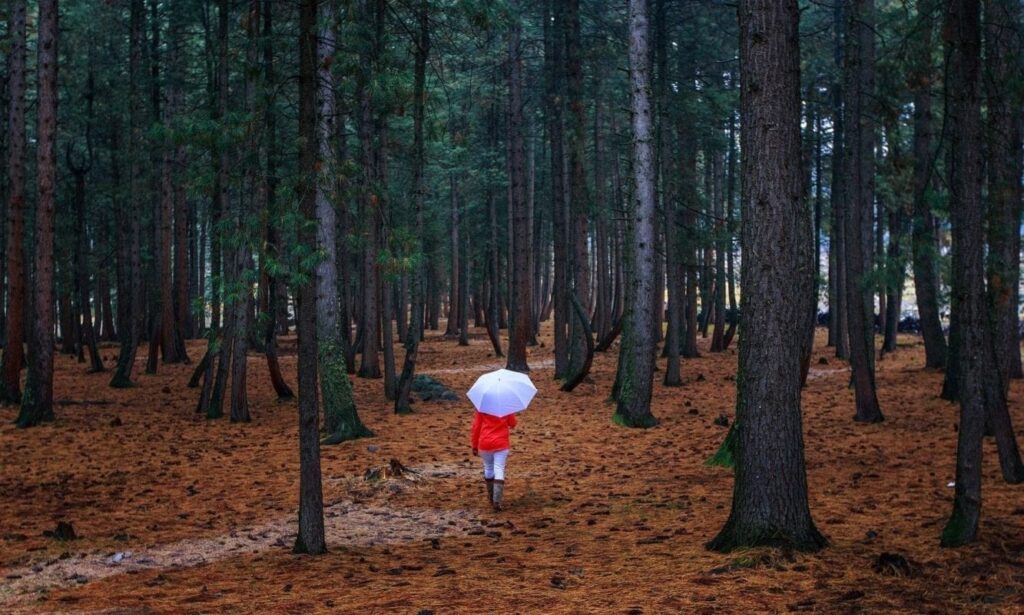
(270, 289)
(413, 332)
(579, 198)
(838, 321)
(37, 401)
(554, 46)
(924, 250)
(775, 224)
(1004, 100)
(14, 336)
(310, 537)
(181, 306)
(636, 370)
(131, 331)
(370, 313)
(341, 420)
(519, 251)
(980, 388)
(859, 189)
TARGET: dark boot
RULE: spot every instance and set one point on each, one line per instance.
(499, 494)
(490, 489)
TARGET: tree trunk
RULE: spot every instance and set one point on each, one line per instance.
(370, 313)
(14, 337)
(721, 245)
(636, 370)
(37, 401)
(769, 437)
(859, 189)
(579, 198)
(924, 250)
(341, 419)
(519, 251)
(554, 46)
(413, 332)
(1004, 100)
(131, 331)
(310, 537)
(838, 321)
(270, 248)
(980, 388)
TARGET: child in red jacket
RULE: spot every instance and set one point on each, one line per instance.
(490, 441)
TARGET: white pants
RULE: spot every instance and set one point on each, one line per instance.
(494, 464)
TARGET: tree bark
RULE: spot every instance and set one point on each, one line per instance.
(519, 251)
(923, 248)
(131, 330)
(14, 338)
(769, 438)
(370, 313)
(403, 404)
(37, 401)
(310, 537)
(1004, 101)
(838, 310)
(858, 192)
(636, 370)
(341, 419)
(978, 375)
(553, 54)
(270, 248)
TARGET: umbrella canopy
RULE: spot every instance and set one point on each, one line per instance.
(502, 392)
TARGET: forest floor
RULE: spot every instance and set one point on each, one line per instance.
(177, 514)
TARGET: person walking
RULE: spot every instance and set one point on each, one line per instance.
(490, 440)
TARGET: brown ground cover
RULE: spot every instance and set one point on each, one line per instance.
(177, 514)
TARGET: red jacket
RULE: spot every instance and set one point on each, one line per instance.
(490, 433)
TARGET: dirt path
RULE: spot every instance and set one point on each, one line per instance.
(349, 523)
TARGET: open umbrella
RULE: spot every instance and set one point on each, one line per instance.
(502, 392)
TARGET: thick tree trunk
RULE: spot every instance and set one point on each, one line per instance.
(769, 437)
(310, 537)
(636, 369)
(579, 198)
(519, 251)
(370, 313)
(341, 419)
(37, 401)
(980, 388)
(1004, 100)
(859, 189)
(14, 337)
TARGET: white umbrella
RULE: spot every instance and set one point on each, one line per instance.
(502, 392)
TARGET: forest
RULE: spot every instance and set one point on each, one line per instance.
(760, 259)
